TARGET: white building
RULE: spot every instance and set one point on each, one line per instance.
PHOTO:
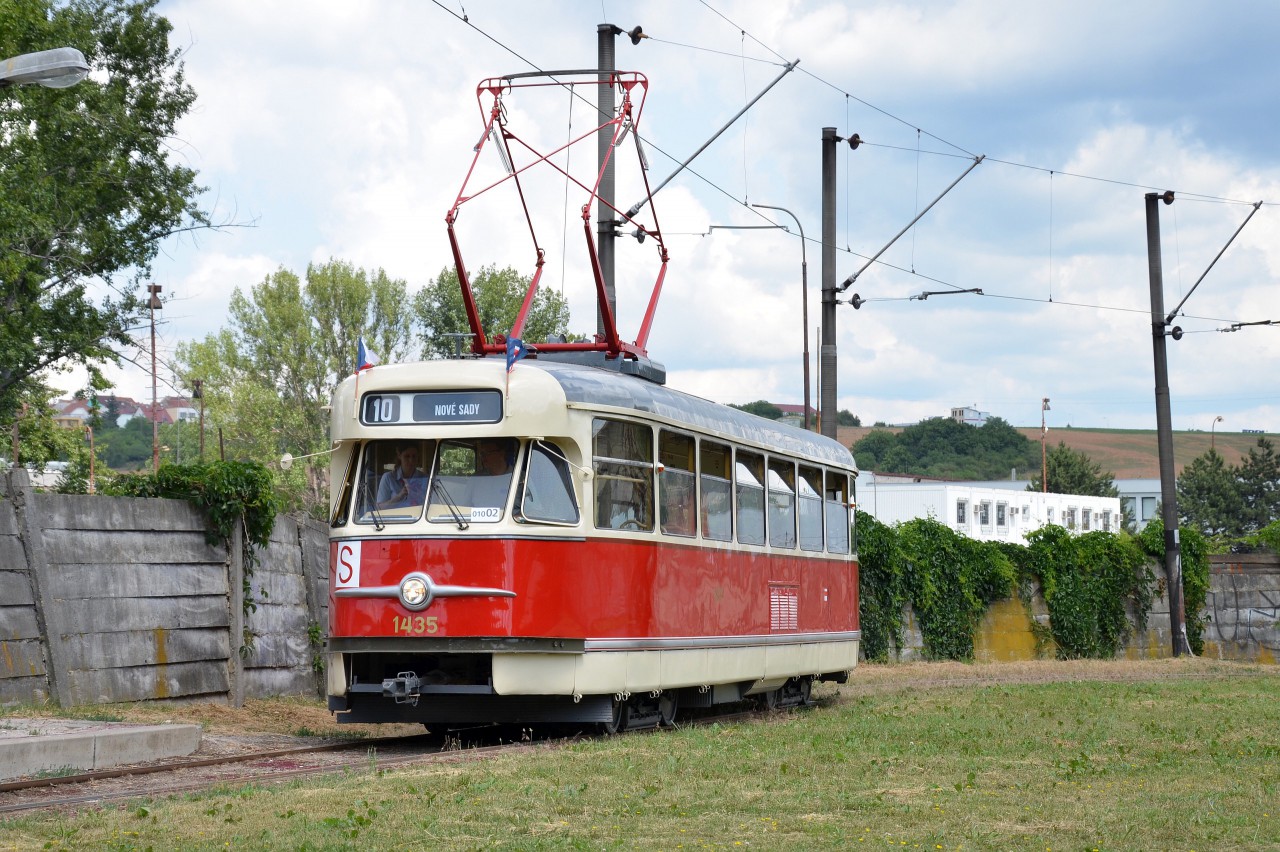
(987, 511)
(971, 415)
(1140, 498)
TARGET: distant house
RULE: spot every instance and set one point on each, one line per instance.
(75, 413)
(1139, 499)
(970, 415)
(1001, 510)
(793, 415)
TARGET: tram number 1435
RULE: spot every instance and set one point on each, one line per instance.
(414, 625)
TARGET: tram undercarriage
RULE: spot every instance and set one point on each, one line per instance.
(458, 689)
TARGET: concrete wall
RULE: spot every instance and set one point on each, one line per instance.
(1243, 609)
(110, 599)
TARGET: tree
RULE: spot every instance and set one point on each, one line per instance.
(1259, 478)
(88, 187)
(1209, 496)
(268, 376)
(499, 293)
(1073, 472)
(760, 408)
(845, 417)
(944, 447)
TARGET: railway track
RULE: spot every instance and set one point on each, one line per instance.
(274, 766)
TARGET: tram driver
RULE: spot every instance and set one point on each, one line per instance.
(405, 484)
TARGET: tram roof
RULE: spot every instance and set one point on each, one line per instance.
(594, 386)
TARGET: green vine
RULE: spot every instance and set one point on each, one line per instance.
(882, 591)
(1195, 574)
(951, 581)
(1087, 581)
(230, 494)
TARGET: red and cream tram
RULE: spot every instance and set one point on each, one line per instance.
(568, 543)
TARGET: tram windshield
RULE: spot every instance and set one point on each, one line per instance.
(471, 480)
(393, 484)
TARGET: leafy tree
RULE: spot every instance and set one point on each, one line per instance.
(943, 447)
(1073, 472)
(267, 376)
(760, 408)
(1259, 477)
(1209, 497)
(88, 187)
(845, 417)
(499, 293)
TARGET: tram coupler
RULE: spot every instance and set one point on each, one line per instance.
(404, 687)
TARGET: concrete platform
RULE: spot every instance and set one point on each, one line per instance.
(63, 746)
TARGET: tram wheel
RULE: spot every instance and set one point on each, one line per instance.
(769, 700)
(668, 703)
(806, 690)
(618, 721)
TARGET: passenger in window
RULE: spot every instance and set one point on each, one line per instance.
(406, 484)
(496, 458)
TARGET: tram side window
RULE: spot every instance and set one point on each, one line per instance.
(546, 489)
(836, 502)
(748, 485)
(782, 503)
(717, 492)
(677, 496)
(623, 460)
(809, 503)
(392, 485)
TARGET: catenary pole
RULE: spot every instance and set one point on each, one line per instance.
(1164, 429)
(827, 353)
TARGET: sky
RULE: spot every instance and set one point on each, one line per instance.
(345, 130)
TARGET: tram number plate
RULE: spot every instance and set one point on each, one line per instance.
(414, 625)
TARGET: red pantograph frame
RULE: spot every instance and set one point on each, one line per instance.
(626, 119)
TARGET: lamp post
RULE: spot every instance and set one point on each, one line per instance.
(1212, 435)
(89, 429)
(1044, 452)
(804, 303)
(154, 305)
(53, 69)
(198, 393)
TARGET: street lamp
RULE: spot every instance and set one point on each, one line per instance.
(1212, 426)
(53, 69)
(804, 303)
(1044, 453)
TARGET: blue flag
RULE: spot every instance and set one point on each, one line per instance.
(515, 351)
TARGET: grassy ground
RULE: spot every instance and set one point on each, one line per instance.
(1028, 756)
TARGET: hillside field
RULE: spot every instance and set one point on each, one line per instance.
(1126, 453)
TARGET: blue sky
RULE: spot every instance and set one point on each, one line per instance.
(344, 130)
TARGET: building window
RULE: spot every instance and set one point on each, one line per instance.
(1002, 515)
(962, 513)
(1071, 517)
(1148, 508)
(984, 514)
(1129, 506)
(1106, 521)
(1026, 514)
(1085, 515)
(1049, 515)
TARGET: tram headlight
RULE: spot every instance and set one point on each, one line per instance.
(414, 593)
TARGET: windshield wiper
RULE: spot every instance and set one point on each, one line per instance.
(438, 485)
(372, 503)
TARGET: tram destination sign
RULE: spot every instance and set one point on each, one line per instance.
(392, 409)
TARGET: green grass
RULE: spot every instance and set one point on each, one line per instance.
(1180, 764)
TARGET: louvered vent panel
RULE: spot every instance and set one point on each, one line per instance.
(784, 607)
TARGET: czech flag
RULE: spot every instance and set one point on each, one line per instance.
(515, 351)
(366, 359)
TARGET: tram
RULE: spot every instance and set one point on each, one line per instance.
(570, 543)
(560, 538)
